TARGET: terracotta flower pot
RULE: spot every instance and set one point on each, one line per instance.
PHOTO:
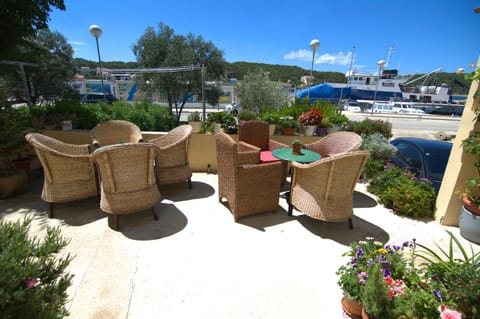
(297, 149)
(364, 314)
(352, 308)
(288, 130)
(474, 209)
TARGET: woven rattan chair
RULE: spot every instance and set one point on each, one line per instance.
(173, 166)
(324, 189)
(257, 133)
(68, 173)
(250, 188)
(115, 132)
(127, 179)
(336, 143)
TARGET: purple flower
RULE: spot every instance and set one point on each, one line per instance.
(435, 277)
(353, 261)
(387, 247)
(359, 253)
(369, 262)
(396, 247)
(362, 277)
(406, 244)
(386, 272)
(438, 294)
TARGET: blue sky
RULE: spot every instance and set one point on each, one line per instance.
(425, 34)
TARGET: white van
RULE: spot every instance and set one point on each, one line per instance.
(380, 107)
(406, 108)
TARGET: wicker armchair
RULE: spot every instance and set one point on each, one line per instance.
(173, 166)
(249, 187)
(127, 179)
(256, 133)
(68, 173)
(336, 143)
(115, 132)
(324, 189)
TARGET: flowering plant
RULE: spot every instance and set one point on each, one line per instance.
(363, 255)
(312, 117)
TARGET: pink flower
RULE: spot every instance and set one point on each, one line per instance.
(32, 282)
(446, 313)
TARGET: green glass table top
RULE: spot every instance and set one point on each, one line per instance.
(285, 154)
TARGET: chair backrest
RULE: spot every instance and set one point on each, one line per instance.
(126, 167)
(61, 162)
(227, 154)
(174, 146)
(115, 132)
(336, 143)
(255, 133)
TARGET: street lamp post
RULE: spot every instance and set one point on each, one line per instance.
(380, 64)
(314, 45)
(96, 31)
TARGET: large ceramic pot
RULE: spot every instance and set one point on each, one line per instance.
(196, 126)
(352, 308)
(469, 224)
(309, 130)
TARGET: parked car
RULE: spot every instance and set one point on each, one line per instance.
(423, 157)
(352, 106)
(379, 107)
(231, 108)
(97, 97)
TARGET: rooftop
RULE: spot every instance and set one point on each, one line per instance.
(196, 262)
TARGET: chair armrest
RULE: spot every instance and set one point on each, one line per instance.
(245, 147)
(273, 145)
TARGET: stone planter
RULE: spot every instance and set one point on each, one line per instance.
(469, 225)
(271, 128)
(309, 130)
(196, 126)
(13, 184)
(217, 128)
(334, 129)
(66, 125)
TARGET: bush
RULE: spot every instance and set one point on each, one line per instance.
(404, 193)
(368, 127)
(247, 115)
(33, 282)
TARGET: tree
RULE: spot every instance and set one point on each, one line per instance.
(257, 92)
(53, 57)
(163, 48)
(21, 20)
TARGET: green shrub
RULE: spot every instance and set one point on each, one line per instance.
(33, 281)
(404, 193)
(368, 127)
(247, 115)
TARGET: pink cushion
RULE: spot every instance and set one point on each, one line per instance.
(266, 156)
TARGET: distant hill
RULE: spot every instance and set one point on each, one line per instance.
(286, 73)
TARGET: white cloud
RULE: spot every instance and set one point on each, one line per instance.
(77, 43)
(339, 58)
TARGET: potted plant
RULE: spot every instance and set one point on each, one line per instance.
(14, 123)
(469, 218)
(195, 121)
(334, 122)
(309, 121)
(297, 147)
(272, 119)
(288, 126)
(246, 115)
(354, 274)
(222, 122)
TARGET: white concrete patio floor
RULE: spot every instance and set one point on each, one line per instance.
(196, 262)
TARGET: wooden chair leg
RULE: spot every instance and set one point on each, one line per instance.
(189, 183)
(155, 215)
(50, 210)
(290, 209)
(350, 223)
(113, 221)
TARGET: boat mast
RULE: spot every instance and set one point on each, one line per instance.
(389, 56)
(351, 62)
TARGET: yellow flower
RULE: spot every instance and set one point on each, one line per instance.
(382, 251)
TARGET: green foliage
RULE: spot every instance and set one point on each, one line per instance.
(164, 48)
(373, 167)
(13, 127)
(247, 115)
(288, 122)
(404, 193)
(471, 146)
(33, 281)
(378, 146)
(194, 117)
(270, 117)
(227, 120)
(20, 20)
(256, 91)
(368, 127)
(456, 281)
